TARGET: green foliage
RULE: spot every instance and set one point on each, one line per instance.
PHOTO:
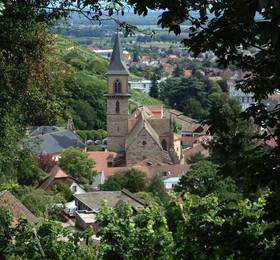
(220, 233)
(42, 203)
(154, 88)
(156, 187)
(29, 80)
(186, 94)
(125, 236)
(5, 221)
(142, 99)
(232, 145)
(92, 134)
(65, 191)
(39, 202)
(204, 179)
(133, 180)
(49, 241)
(78, 165)
(28, 171)
(194, 158)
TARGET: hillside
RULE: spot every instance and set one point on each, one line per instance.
(85, 83)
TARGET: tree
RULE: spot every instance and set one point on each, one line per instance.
(154, 88)
(28, 171)
(178, 71)
(135, 55)
(204, 179)
(45, 242)
(77, 164)
(29, 80)
(194, 109)
(232, 145)
(156, 187)
(204, 228)
(46, 162)
(125, 236)
(133, 180)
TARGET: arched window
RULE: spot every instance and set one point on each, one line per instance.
(117, 107)
(117, 86)
(164, 145)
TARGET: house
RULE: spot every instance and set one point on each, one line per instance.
(93, 201)
(52, 140)
(99, 179)
(170, 182)
(56, 177)
(245, 99)
(191, 130)
(19, 211)
(143, 85)
(89, 204)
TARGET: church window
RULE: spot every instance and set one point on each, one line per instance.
(144, 143)
(117, 107)
(117, 86)
(164, 145)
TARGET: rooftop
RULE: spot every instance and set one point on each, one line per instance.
(94, 200)
(116, 66)
(10, 202)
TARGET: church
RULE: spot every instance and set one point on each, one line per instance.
(145, 134)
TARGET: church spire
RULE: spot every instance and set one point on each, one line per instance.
(117, 67)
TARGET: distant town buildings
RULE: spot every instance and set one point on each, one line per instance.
(245, 99)
(140, 84)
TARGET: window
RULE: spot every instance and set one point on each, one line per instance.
(164, 145)
(117, 86)
(117, 107)
(144, 143)
(74, 188)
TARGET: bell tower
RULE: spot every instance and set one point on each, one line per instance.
(117, 100)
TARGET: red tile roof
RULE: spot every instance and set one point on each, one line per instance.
(8, 201)
(150, 167)
(55, 173)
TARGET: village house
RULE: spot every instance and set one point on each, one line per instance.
(58, 177)
(90, 203)
(52, 140)
(192, 131)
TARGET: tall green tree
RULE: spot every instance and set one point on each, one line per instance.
(154, 88)
(77, 164)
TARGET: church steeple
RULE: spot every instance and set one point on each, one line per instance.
(117, 97)
(117, 67)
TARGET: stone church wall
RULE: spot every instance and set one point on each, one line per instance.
(142, 148)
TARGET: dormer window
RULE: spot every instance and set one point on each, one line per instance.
(117, 86)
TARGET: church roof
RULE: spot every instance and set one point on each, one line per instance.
(161, 126)
(116, 66)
